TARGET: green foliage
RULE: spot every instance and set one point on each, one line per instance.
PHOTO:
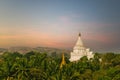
(40, 66)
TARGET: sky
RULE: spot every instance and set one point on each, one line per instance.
(57, 23)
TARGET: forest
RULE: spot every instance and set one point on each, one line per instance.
(40, 66)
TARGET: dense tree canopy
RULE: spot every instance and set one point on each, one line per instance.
(40, 66)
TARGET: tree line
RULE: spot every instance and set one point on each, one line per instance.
(40, 66)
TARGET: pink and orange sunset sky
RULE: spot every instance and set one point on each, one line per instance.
(56, 23)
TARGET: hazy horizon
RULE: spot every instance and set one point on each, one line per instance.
(56, 23)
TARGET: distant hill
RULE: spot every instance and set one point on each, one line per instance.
(21, 50)
(48, 50)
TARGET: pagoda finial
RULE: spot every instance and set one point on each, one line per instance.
(79, 34)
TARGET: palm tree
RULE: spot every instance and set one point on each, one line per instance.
(22, 69)
(7, 70)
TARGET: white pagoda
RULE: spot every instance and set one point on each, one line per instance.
(79, 51)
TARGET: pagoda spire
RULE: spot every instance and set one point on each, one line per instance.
(79, 41)
(63, 60)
